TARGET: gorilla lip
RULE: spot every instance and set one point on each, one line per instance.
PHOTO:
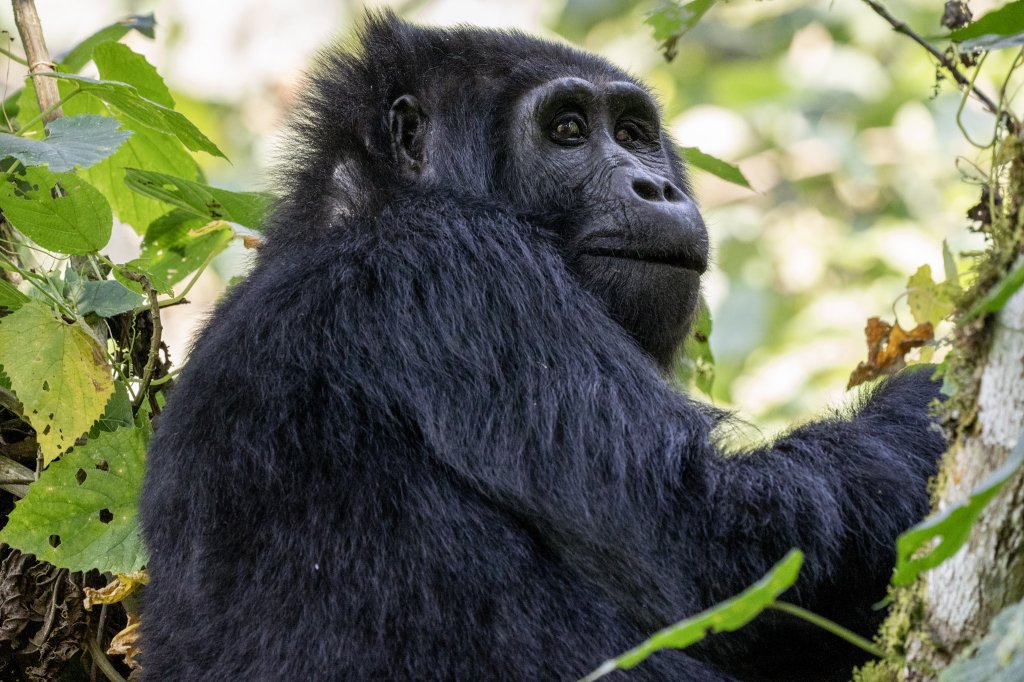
(676, 260)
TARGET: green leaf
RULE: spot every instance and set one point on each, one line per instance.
(716, 167)
(696, 365)
(998, 29)
(178, 244)
(671, 21)
(994, 301)
(929, 301)
(953, 526)
(72, 141)
(82, 513)
(147, 149)
(127, 100)
(999, 656)
(59, 373)
(107, 298)
(58, 211)
(78, 56)
(117, 62)
(10, 297)
(730, 615)
(203, 201)
(117, 413)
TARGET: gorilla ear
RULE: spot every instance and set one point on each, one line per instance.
(408, 124)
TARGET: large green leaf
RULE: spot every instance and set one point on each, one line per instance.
(127, 100)
(917, 550)
(59, 373)
(58, 211)
(107, 298)
(78, 56)
(177, 245)
(71, 141)
(145, 149)
(998, 29)
(117, 62)
(999, 657)
(715, 166)
(730, 615)
(83, 511)
(203, 201)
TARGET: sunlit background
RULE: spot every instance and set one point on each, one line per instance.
(853, 148)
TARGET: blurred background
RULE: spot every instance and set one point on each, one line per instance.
(852, 146)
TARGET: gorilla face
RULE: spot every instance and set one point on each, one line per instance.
(589, 161)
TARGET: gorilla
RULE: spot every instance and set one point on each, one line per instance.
(432, 435)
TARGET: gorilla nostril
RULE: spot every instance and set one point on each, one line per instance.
(645, 189)
(671, 193)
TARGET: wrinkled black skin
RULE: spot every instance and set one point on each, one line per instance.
(431, 437)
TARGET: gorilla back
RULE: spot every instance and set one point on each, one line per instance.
(431, 437)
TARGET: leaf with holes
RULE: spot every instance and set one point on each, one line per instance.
(82, 513)
(178, 244)
(71, 141)
(202, 201)
(59, 373)
(58, 211)
(730, 615)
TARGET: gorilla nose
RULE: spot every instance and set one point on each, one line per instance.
(655, 189)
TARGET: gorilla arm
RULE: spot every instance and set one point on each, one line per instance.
(516, 379)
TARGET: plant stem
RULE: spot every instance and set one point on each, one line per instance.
(27, 20)
(947, 63)
(826, 624)
(154, 342)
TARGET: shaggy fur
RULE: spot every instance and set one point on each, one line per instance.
(411, 446)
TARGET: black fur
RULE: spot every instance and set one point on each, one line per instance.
(412, 445)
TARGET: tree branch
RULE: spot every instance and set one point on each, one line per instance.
(154, 343)
(31, 31)
(944, 60)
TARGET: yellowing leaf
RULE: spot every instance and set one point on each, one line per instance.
(58, 371)
(126, 642)
(929, 302)
(116, 590)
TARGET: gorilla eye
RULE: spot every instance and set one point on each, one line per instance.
(570, 129)
(628, 133)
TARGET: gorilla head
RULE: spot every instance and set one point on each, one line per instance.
(552, 134)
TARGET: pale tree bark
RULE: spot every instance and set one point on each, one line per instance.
(956, 601)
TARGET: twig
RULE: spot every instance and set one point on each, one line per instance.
(27, 20)
(104, 664)
(15, 478)
(154, 343)
(947, 63)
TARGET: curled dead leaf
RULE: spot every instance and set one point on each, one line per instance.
(116, 590)
(126, 642)
(888, 346)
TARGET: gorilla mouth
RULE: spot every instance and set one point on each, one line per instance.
(684, 261)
